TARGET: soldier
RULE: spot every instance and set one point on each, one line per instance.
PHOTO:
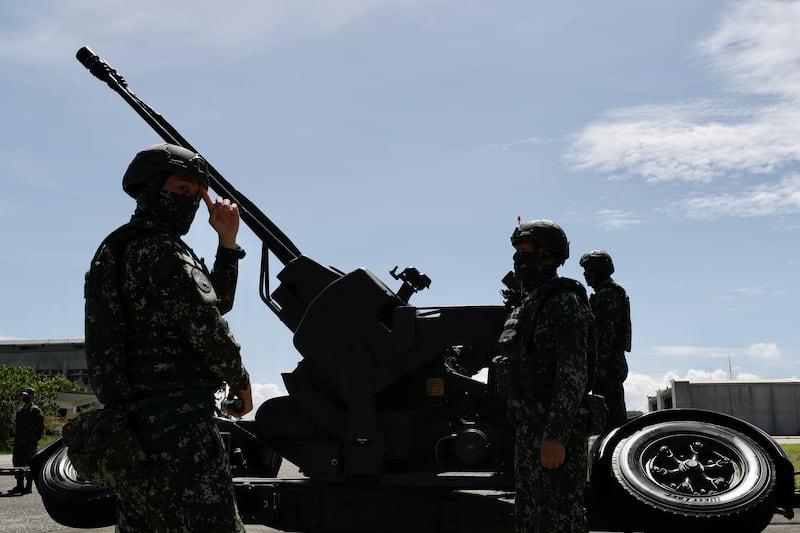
(612, 311)
(546, 360)
(158, 348)
(28, 429)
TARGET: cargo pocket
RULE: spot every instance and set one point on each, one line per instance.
(102, 447)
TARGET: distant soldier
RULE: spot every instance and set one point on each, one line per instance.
(545, 374)
(612, 311)
(29, 426)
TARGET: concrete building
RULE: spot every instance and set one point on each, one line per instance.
(772, 405)
(50, 358)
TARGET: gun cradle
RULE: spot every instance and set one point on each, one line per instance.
(373, 394)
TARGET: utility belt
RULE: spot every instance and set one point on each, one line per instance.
(163, 411)
(104, 444)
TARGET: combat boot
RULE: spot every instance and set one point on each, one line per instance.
(19, 489)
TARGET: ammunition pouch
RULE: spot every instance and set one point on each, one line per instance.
(593, 412)
(101, 445)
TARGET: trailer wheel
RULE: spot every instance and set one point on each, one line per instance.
(71, 501)
(696, 476)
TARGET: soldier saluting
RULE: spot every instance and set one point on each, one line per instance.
(158, 348)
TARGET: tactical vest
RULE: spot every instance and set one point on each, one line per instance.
(125, 365)
(105, 330)
(516, 376)
(623, 321)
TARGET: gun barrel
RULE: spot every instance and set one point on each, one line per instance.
(273, 238)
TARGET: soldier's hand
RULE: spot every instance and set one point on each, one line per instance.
(553, 454)
(246, 396)
(600, 373)
(223, 215)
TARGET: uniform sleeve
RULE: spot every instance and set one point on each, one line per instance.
(565, 319)
(184, 298)
(225, 275)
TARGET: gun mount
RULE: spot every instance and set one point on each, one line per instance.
(393, 434)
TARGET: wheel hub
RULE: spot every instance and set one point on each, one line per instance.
(692, 468)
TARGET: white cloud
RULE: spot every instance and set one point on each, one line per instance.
(637, 388)
(505, 147)
(750, 134)
(757, 46)
(690, 142)
(761, 200)
(760, 350)
(764, 350)
(612, 219)
(706, 375)
(678, 350)
(686, 142)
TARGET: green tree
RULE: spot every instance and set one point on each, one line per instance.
(13, 380)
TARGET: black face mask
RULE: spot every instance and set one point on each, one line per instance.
(595, 278)
(177, 210)
(527, 266)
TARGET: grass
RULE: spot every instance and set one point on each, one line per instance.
(793, 451)
(46, 439)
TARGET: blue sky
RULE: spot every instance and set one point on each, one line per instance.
(378, 133)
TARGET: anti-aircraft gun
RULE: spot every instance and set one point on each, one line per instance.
(391, 432)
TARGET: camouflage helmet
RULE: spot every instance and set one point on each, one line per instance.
(545, 234)
(597, 261)
(168, 158)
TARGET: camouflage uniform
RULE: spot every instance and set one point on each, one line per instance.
(177, 351)
(28, 430)
(547, 335)
(611, 309)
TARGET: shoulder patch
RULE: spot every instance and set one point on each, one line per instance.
(201, 280)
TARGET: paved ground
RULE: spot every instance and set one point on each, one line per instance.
(26, 514)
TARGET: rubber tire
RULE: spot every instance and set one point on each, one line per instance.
(71, 501)
(746, 504)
